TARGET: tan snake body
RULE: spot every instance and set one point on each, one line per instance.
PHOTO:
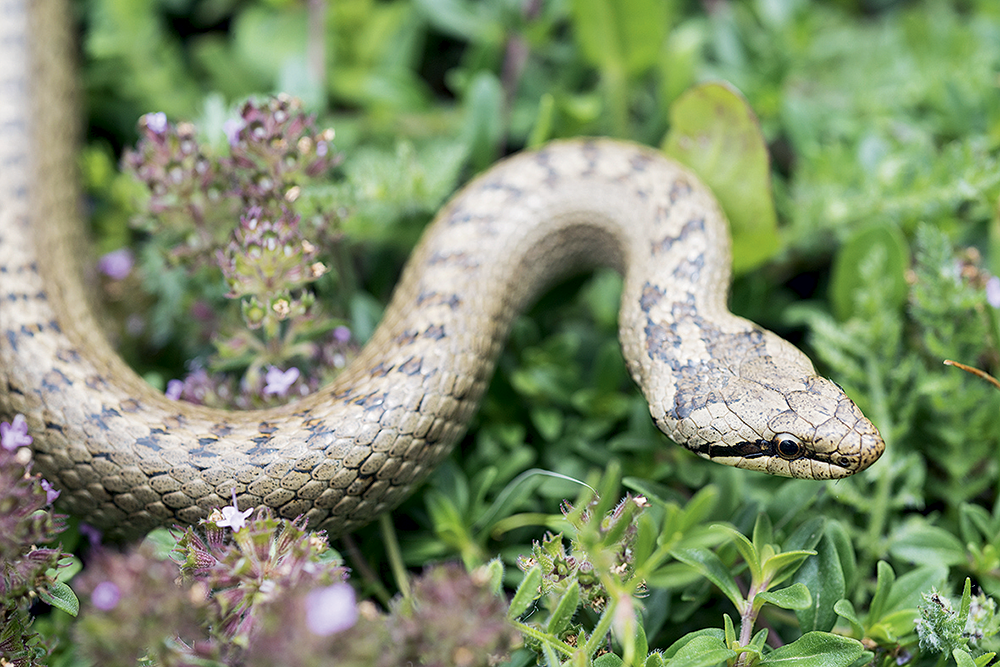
(127, 458)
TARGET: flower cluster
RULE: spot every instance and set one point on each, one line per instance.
(27, 570)
(265, 384)
(451, 619)
(137, 611)
(237, 576)
(188, 190)
(274, 149)
(238, 210)
(562, 566)
(252, 563)
(256, 590)
(265, 261)
(195, 195)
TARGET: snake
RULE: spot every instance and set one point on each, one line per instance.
(127, 458)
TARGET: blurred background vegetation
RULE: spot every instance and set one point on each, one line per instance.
(882, 119)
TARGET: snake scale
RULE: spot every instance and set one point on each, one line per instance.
(127, 458)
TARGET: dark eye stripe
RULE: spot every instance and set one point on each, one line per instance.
(783, 446)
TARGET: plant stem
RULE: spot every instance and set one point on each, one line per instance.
(542, 637)
(395, 555)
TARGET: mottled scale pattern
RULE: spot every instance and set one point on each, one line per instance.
(127, 459)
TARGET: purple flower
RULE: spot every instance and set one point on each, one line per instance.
(15, 434)
(117, 264)
(279, 381)
(331, 609)
(342, 334)
(156, 122)
(993, 291)
(105, 596)
(232, 129)
(50, 493)
(174, 389)
(92, 534)
(232, 517)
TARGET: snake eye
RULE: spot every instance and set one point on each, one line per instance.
(789, 447)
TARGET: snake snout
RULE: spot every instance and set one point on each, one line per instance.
(849, 440)
(833, 438)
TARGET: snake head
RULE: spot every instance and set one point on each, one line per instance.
(821, 434)
(765, 409)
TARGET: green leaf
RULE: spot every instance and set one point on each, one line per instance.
(654, 660)
(846, 279)
(483, 119)
(963, 613)
(447, 518)
(729, 630)
(700, 506)
(715, 133)
(702, 651)
(885, 578)
(975, 523)
(816, 649)
(527, 592)
(763, 531)
(548, 421)
(60, 596)
(162, 542)
(640, 643)
(779, 567)
(494, 574)
(646, 535)
(714, 633)
(756, 644)
(841, 542)
(845, 610)
(621, 35)
(807, 535)
(467, 21)
(747, 550)
(264, 40)
(69, 567)
(985, 659)
(795, 596)
(712, 569)
(906, 590)
(893, 609)
(608, 660)
(824, 577)
(891, 627)
(963, 658)
(673, 576)
(563, 613)
(366, 312)
(542, 129)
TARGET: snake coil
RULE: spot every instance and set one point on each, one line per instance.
(128, 458)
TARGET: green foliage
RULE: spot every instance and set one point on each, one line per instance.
(715, 133)
(883, 127)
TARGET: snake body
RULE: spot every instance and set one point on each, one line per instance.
(127, 458)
